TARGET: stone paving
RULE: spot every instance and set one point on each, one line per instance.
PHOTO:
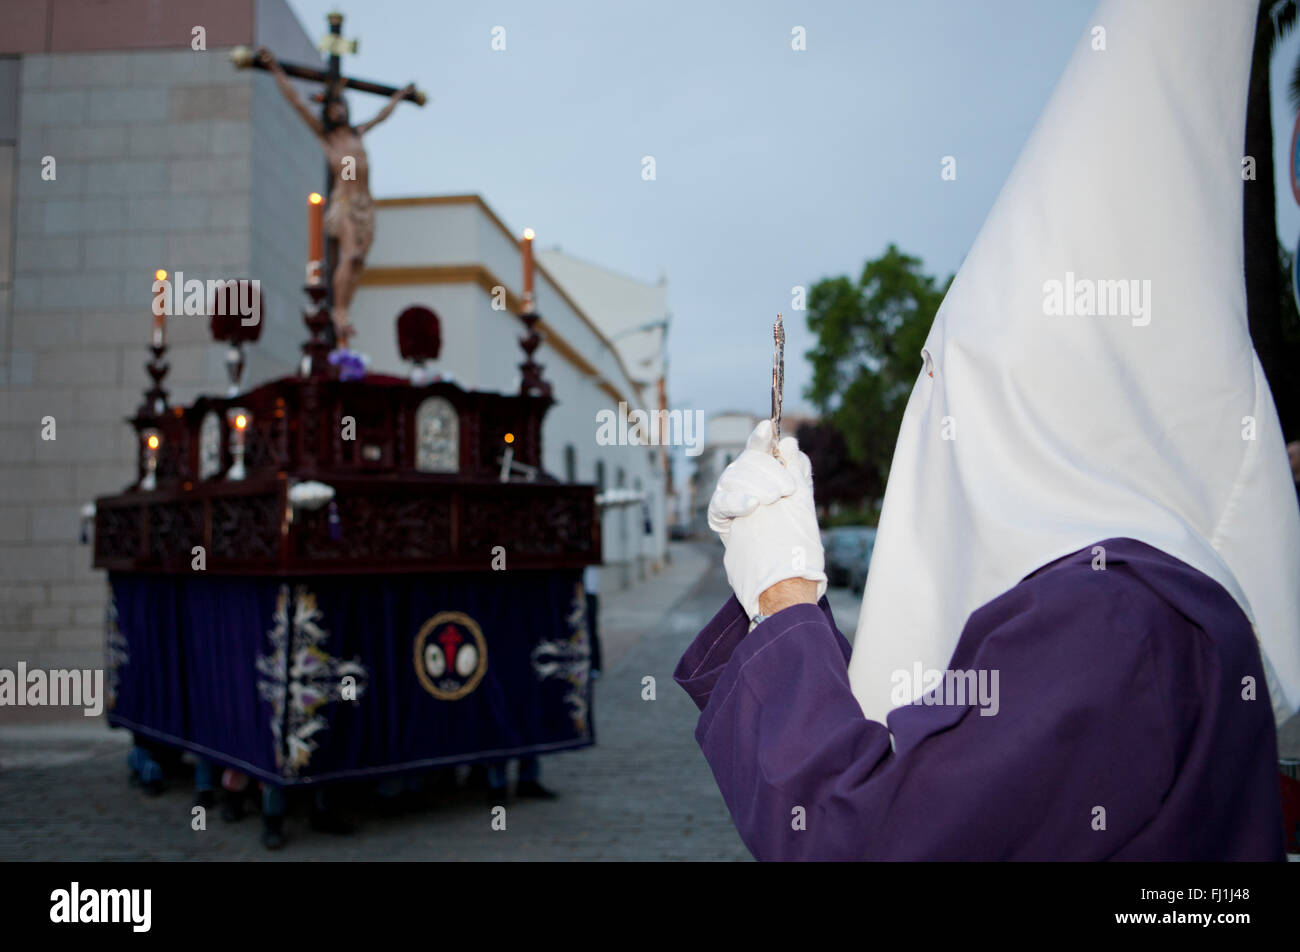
(644, 792)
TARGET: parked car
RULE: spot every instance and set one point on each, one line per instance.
(848, 554)
(858, 575)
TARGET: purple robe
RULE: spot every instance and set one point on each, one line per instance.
(1118, 689)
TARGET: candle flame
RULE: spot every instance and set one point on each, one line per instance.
(528, 234)
(153, 442)
(510, 437)
(241, 422)
(315, 198)
(160, 275)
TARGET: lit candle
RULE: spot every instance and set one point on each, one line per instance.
(152, 441)
(528, 264)
(237, 419)
(160, 314)
(315, 236)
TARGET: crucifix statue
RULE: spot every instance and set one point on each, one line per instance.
(349, 209)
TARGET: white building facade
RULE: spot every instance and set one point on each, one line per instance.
(724, 439)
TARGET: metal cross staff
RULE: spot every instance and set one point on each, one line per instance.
(778, 382)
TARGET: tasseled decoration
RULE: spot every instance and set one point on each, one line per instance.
(227, 313)
(419, 335)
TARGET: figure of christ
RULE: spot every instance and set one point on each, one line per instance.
(350, 214)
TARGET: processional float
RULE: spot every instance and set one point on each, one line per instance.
(340, 575)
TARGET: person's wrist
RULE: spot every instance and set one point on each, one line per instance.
(785, 593)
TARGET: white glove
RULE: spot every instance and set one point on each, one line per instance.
(763, 511)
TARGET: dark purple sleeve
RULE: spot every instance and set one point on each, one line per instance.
(1078, 727)
(707, 657)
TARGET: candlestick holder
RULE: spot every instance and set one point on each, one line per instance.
(531, 382)
(228, 313)
(235, 367)
(155, 398)
(316, 349)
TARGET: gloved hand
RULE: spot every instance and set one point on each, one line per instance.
(762, 509)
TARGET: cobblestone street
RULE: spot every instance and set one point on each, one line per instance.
(643, 792)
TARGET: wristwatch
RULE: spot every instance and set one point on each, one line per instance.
(758, 620)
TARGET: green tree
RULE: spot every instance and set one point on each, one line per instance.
(868, 352)
(839, 478)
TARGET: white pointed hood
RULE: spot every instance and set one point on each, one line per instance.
(1066, 429)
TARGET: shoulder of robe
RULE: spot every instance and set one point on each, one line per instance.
(1072, 613)
(1147, 636)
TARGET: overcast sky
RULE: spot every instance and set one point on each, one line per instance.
(774, 168)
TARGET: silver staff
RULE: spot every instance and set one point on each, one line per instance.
(778, 382)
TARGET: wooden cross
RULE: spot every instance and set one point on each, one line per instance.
(334, 82)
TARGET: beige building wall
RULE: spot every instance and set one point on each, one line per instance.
(163, 157)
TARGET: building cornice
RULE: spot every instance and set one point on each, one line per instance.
(485, 279)
(419, 201)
